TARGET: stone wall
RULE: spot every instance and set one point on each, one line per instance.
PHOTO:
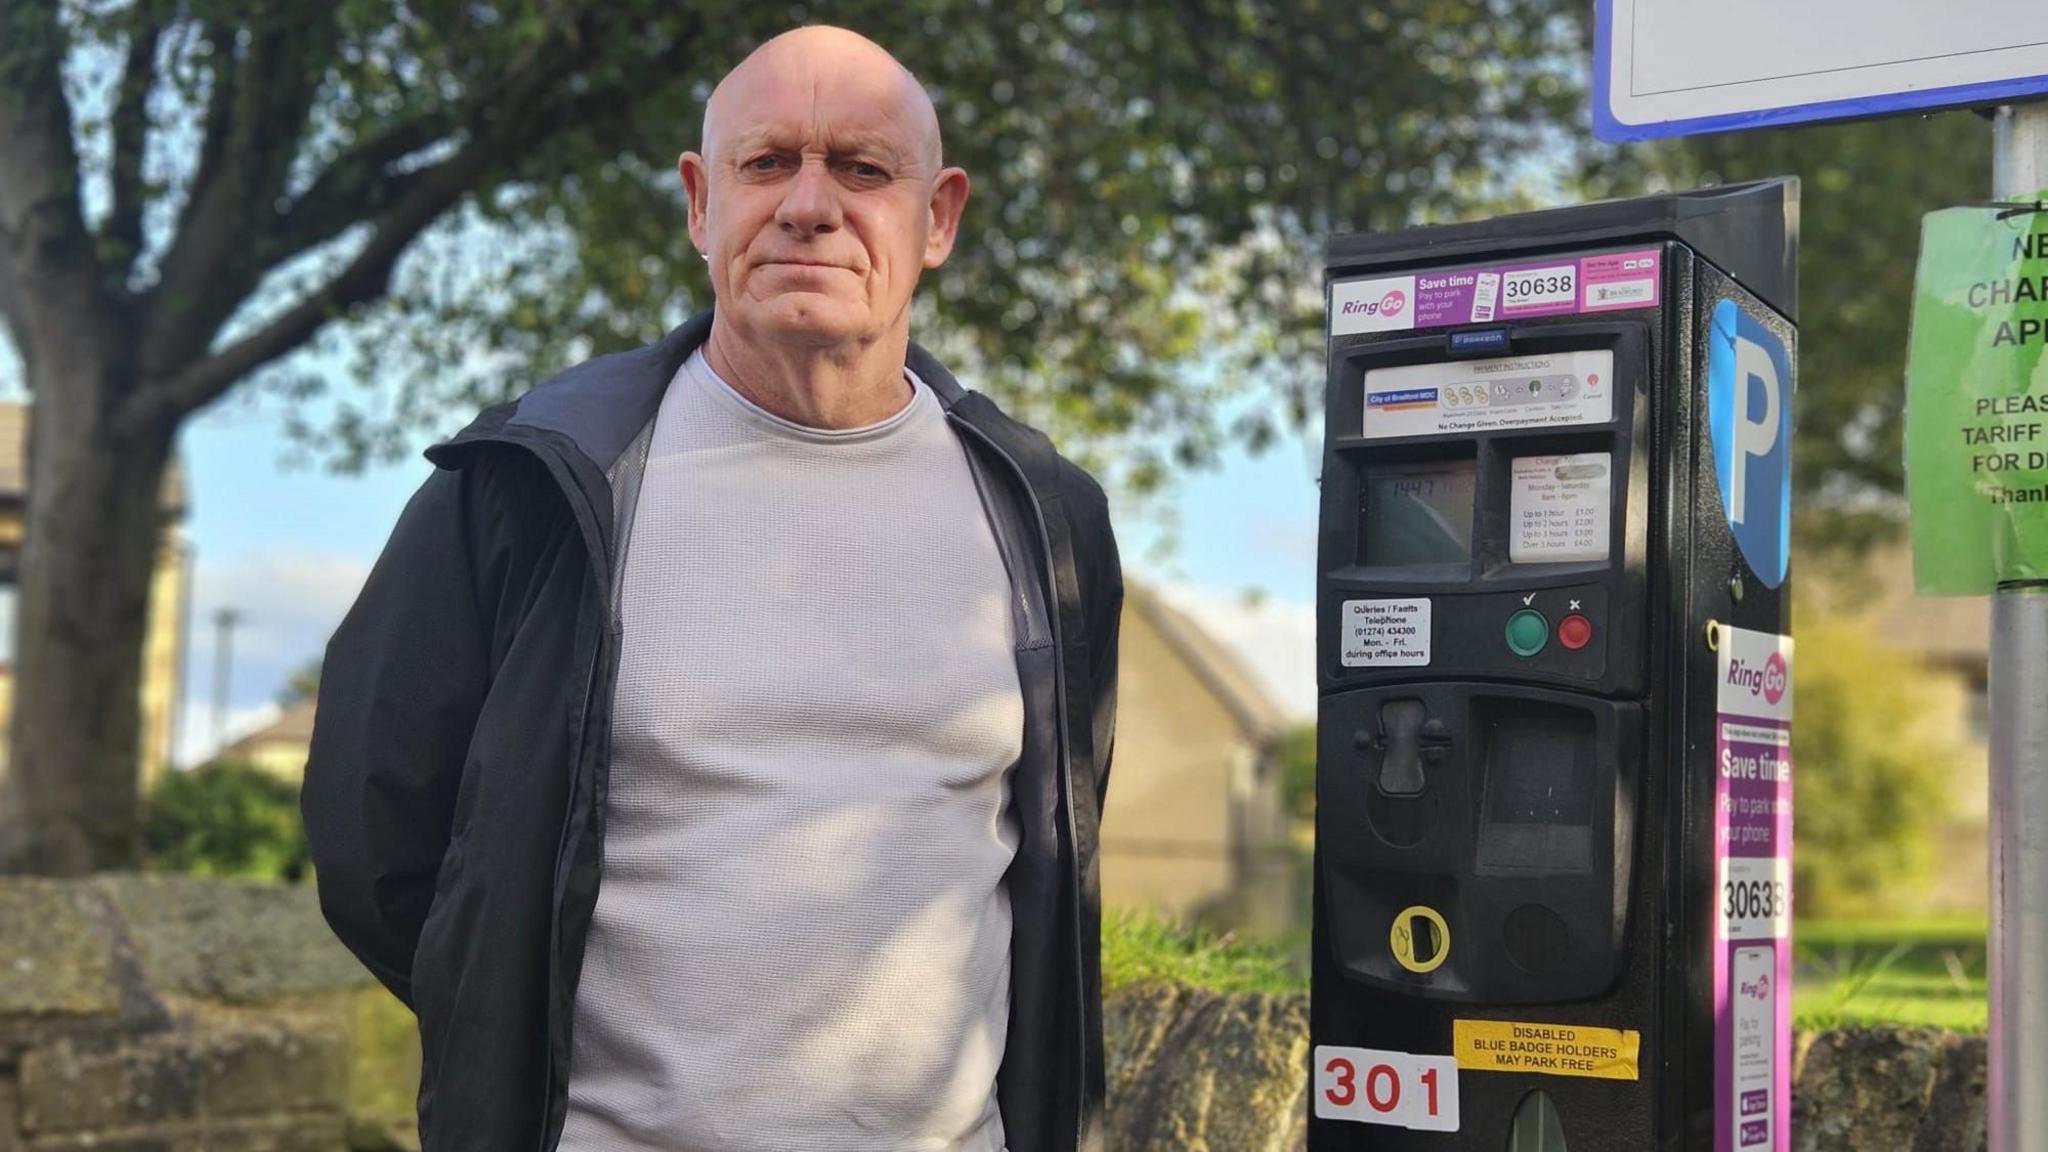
(177, 1014)
(1194, 1071)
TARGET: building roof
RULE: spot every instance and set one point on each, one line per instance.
(1216, 666)
(14, 420)
(293, 726)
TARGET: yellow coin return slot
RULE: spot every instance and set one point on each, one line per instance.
(1420, 939)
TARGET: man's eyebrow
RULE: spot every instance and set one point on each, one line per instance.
(871, 142)
(877, 144)
(757, 138)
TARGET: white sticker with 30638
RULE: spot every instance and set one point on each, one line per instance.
(1539, 287)
(1394, 1089)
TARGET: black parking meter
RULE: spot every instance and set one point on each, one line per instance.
(1553, 791)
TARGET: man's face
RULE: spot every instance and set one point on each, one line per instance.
(818, 200)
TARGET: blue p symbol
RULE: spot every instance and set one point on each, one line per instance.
(1749, 417)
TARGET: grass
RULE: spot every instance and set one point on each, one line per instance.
(1850, 972)
(1922, 971)
(1139, 946)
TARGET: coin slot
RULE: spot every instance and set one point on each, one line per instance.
(1419, 939)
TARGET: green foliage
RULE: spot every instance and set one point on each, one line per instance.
(225, 818)
(1297, 754)
(1152, 182)
(1864, 187)
(1139, 945)
(302, 686)
(1890, 972)
(1871, 769)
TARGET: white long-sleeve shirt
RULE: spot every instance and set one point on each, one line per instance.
(802, 939)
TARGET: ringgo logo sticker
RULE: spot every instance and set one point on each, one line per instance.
(1392, 1089)
(1372, 305)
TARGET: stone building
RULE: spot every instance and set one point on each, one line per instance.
(163, 652)
(1194, 825)
(278, 747)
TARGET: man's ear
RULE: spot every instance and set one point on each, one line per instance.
(696, 174)
(949, 200)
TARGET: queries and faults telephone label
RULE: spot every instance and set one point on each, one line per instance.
(1385, 633)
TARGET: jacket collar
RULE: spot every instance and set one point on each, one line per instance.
(601, 404)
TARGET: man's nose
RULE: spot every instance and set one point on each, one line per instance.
(810, 204)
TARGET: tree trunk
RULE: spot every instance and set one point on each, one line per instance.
(94, 516)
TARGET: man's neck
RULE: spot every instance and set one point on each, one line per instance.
(827, 387)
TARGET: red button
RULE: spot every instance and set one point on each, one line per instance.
(1574, 631)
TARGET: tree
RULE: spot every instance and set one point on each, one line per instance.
(302, 686)
(194, 191)
(1864, 188)
(1871, 766)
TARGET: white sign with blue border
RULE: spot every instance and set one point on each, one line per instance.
(1749, 420)
(1680, 67)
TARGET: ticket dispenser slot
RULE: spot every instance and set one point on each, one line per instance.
(1522, 545)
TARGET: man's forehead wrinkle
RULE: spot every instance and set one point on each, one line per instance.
(804, 63)
(836, 141)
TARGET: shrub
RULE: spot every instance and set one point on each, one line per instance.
(1297, 756)
(225, 818)
(1870, 769)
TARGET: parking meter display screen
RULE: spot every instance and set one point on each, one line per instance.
(1419, 513)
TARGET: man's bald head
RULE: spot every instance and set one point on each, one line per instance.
(819, 199)
(801, 56)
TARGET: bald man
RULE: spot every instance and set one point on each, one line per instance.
(713, 759)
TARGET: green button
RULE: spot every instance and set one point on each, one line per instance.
(1528, 631)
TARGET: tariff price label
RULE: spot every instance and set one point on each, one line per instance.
(1393, 1089)
(1540, 287)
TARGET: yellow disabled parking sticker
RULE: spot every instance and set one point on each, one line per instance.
(1546, 1049)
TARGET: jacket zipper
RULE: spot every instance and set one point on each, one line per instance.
(1059, 681)
(578, 505)
(547, 1082)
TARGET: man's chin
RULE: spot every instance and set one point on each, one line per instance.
(809, 317)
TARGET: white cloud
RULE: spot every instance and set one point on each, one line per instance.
(1276, 638)
(285, 599)
(288, 602)
(196, 733)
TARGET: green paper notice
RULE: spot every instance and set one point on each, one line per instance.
(1977, 402)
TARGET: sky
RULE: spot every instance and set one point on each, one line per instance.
(287, 545)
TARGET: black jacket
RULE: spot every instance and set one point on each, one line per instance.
(455, 793)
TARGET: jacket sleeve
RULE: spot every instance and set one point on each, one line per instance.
(1103, 675)
(1103, 594)
(400, 689)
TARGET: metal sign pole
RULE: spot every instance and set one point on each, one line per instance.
(2018, 1093)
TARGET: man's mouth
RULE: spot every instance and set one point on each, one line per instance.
(802, 263)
